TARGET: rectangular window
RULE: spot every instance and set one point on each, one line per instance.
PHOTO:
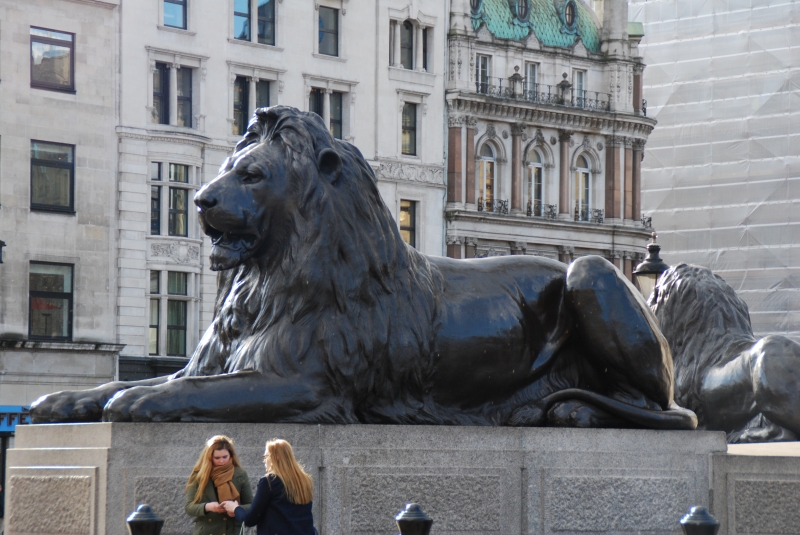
(407, 45)
(266, 22)
(315, 102)
(155, 210)
(175, 13)
(161, 94)
(153, 327)
(241, 20)
(52, 176)
(328, 31)
(52, 59)
(155, 282)
(408, 222)
(177, 283)
(336, 115)
(262, 94)
(184, 97)
(50, 301)
(241, 97)
(579, 87)
(178, 173)
(410, 129)
(531, 72)
(178, 212)
(425, 49)
(582, 195)
(176, 328)
(483, 67)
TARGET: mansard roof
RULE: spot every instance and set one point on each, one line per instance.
(545, 19)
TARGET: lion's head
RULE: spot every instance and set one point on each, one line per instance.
(287, 165)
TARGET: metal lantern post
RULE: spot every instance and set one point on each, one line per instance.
(413, 520)
(144, 521)
(647, 273)
(698, 521)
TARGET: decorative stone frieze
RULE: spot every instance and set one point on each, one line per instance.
(179, 252)
(411, 172)
(454, 121)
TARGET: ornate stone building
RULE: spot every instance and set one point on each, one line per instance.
(547, 127)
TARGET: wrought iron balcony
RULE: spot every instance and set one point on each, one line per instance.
(590, 215)
(499, 206)
(538, 209)
(544, 94)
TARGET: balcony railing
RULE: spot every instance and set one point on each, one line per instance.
(499, 206)
(539, 209)
(590, 215)
(544, 94)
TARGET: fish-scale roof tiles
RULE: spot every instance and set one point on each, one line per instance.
(544, 20)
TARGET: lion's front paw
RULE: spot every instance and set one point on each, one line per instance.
(68, 406)
(139, 404)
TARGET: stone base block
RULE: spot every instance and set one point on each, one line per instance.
(471, 480)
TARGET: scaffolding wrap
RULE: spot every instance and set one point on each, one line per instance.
(721, 174)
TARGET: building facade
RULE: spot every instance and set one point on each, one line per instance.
(115, 113)
(546, 130)
(721, 177)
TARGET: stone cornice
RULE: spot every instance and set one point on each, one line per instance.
(170, 137)
(43, 345)
(488, 108)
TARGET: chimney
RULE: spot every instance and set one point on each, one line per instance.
(615, 26)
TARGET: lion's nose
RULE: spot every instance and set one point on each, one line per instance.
(205, 199)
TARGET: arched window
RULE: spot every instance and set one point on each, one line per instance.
(520, 8)
(533, 189)
(583, 189)
(486, 164)
(569, 14)
(407, 45)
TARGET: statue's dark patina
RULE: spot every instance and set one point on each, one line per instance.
(735, 382)
(325, 315)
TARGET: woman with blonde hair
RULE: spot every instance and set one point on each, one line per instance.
(282, 503)
(217, 477)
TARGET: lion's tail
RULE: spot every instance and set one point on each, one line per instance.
(674, 418)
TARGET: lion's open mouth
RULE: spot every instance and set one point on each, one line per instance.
(231, 240)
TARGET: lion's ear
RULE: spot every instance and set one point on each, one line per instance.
(329, 164)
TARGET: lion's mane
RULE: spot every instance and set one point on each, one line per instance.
(705, 323)
(343, 294)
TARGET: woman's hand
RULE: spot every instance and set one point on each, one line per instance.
(214, 507)
(230, 507)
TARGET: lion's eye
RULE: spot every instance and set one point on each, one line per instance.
(249, 177)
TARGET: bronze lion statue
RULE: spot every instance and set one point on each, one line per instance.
(324, 315)
(747, 387)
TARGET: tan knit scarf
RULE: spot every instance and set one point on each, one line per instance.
(223, 480)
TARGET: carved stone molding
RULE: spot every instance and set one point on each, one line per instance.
(566, 249)
(553, 140)
(505, 134)
(454, 121)
(412, 173)
(490, 131)
(638, 144)
(472, 122)
(454, 240)
(614, 141)
(599, 146)
(519, 246)
(178, 252)
(517, 129)
(471, 241)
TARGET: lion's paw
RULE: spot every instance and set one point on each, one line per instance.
(68, 406)
(139, 404)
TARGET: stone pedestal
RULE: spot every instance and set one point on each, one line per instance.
(86, 478)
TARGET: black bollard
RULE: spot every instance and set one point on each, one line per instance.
(698, 521)
(144, 521)
(413, 521)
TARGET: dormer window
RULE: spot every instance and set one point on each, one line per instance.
(520, 9)
(570, 15)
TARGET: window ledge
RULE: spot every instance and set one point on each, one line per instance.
(61, 345)
(255, 45)
(54, 89)
(331, 58)
(176, 30)
(415, 77)
(43, 210)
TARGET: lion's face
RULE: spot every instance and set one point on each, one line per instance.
(243, 209)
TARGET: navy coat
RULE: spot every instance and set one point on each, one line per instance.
(273, 513)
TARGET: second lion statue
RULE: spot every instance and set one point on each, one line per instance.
(325, 315)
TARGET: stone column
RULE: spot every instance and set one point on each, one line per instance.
(471, 247)
(612, 179)
(454, 165)
(565, 253)
(637, 89)
(627, 264)
(516, 167)
(628, 179)
(326, 108)
(636, 179)
(472, 126)
(251, 97)
(518, 248)
(396, 48)
(563, 175)
(173, 94)
(454, 247)
(418, 50)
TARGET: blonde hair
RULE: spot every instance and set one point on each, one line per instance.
(298, 484)
(201, 472)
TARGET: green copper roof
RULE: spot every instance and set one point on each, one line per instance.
(545, 21)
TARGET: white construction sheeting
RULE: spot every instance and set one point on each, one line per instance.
(721, 174)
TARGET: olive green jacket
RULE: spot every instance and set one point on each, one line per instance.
(216, 523)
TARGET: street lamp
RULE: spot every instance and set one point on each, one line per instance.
(647, 272)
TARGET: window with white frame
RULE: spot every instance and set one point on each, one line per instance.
(408, 222)
(328, 104)
(531, 77)
(579, 88)
(409, 129)
(254, 20)
(170, 197)
(243, 102)
(408, 45)
(170, 308)
(328, 43)
(483, 68)
(175, 13)
(533, 189)
(583, 189)
(174, 87)
(486, 172)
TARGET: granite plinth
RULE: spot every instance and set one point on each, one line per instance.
(470, 480)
